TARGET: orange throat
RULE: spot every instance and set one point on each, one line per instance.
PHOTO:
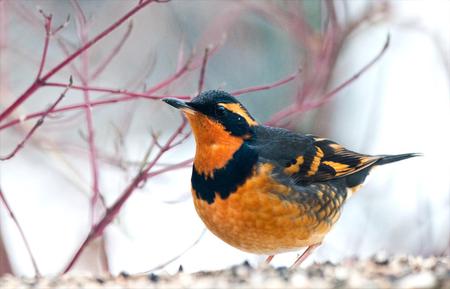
(215, 145)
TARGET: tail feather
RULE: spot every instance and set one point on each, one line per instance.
(387, 159)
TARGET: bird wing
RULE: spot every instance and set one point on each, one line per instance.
(306, 158)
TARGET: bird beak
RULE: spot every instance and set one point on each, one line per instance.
(185, 107)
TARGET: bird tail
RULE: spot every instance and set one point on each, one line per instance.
(387, 159)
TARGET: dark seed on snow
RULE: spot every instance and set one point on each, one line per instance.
(153, 277)
(283, 272)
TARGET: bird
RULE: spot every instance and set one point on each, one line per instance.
(268, 190)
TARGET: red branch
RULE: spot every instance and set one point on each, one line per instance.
(171, 167)
(92, 104)
(112, 211)
(48, 28)
(22, 234)
(62, 44)
(171, 79)
(146, 95)
(325, 98)
(88, 110)
(267, 86)
(201, 79)
(134, 95)
(38, 83)
(38, 124)
(113, 53)
(298, 108)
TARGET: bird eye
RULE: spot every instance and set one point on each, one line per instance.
(220, 111)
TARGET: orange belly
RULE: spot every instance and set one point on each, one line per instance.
(255, 219)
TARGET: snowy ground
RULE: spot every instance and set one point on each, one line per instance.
(376, 272)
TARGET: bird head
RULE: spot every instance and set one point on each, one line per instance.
(215, 116)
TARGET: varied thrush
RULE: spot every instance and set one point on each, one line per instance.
(268, 190)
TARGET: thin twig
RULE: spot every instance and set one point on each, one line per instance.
(146, 95)
(113, 53)
(180, 58)
(62, 26)
(62, 43)
(171, 167)
(296, 108)
(266, 86)
(92, 104)
(325, 98)
(173, 259)
(171, 79)
(112, 211)
(48, 28)
(201, 79)
(37, 84)
(37, 124)
(22, 234)
(82, 31)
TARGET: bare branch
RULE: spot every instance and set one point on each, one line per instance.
(201, 79)
(171, 79)
(298, 108)
(48, 28)
(36, 85)
(113, 53)
(22, 234)
(38, 124)
(267, 86)
(172, 167)
(146, 95)
(92, 104)
(333, 92)
(171, 260)
(112, 211)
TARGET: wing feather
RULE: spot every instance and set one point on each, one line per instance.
(306, 158)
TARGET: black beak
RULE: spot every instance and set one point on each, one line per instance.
(177, 103)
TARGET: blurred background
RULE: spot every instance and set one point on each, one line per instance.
(399, 104)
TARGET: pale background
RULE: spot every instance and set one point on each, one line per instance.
(401, 105)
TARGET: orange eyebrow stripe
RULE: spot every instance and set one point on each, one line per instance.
(238, 109)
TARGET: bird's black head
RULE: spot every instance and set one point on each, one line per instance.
(218, 107)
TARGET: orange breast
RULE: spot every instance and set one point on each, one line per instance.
(256, 219)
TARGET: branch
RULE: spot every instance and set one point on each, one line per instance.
(172, 167)
(48, 27)
(62, 26)
(113, 53)
(297, 108)
(37, 84)
(146, 95)
(92, 104)
(25, 241)
(38, 124)
(171, 79)
(325, 98)
(65, 49)
(112, 212)
(82, 26)
(160, 266)
(267, 86)
(331, 10)
(201, 79)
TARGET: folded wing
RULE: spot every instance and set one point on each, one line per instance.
(306, 158)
